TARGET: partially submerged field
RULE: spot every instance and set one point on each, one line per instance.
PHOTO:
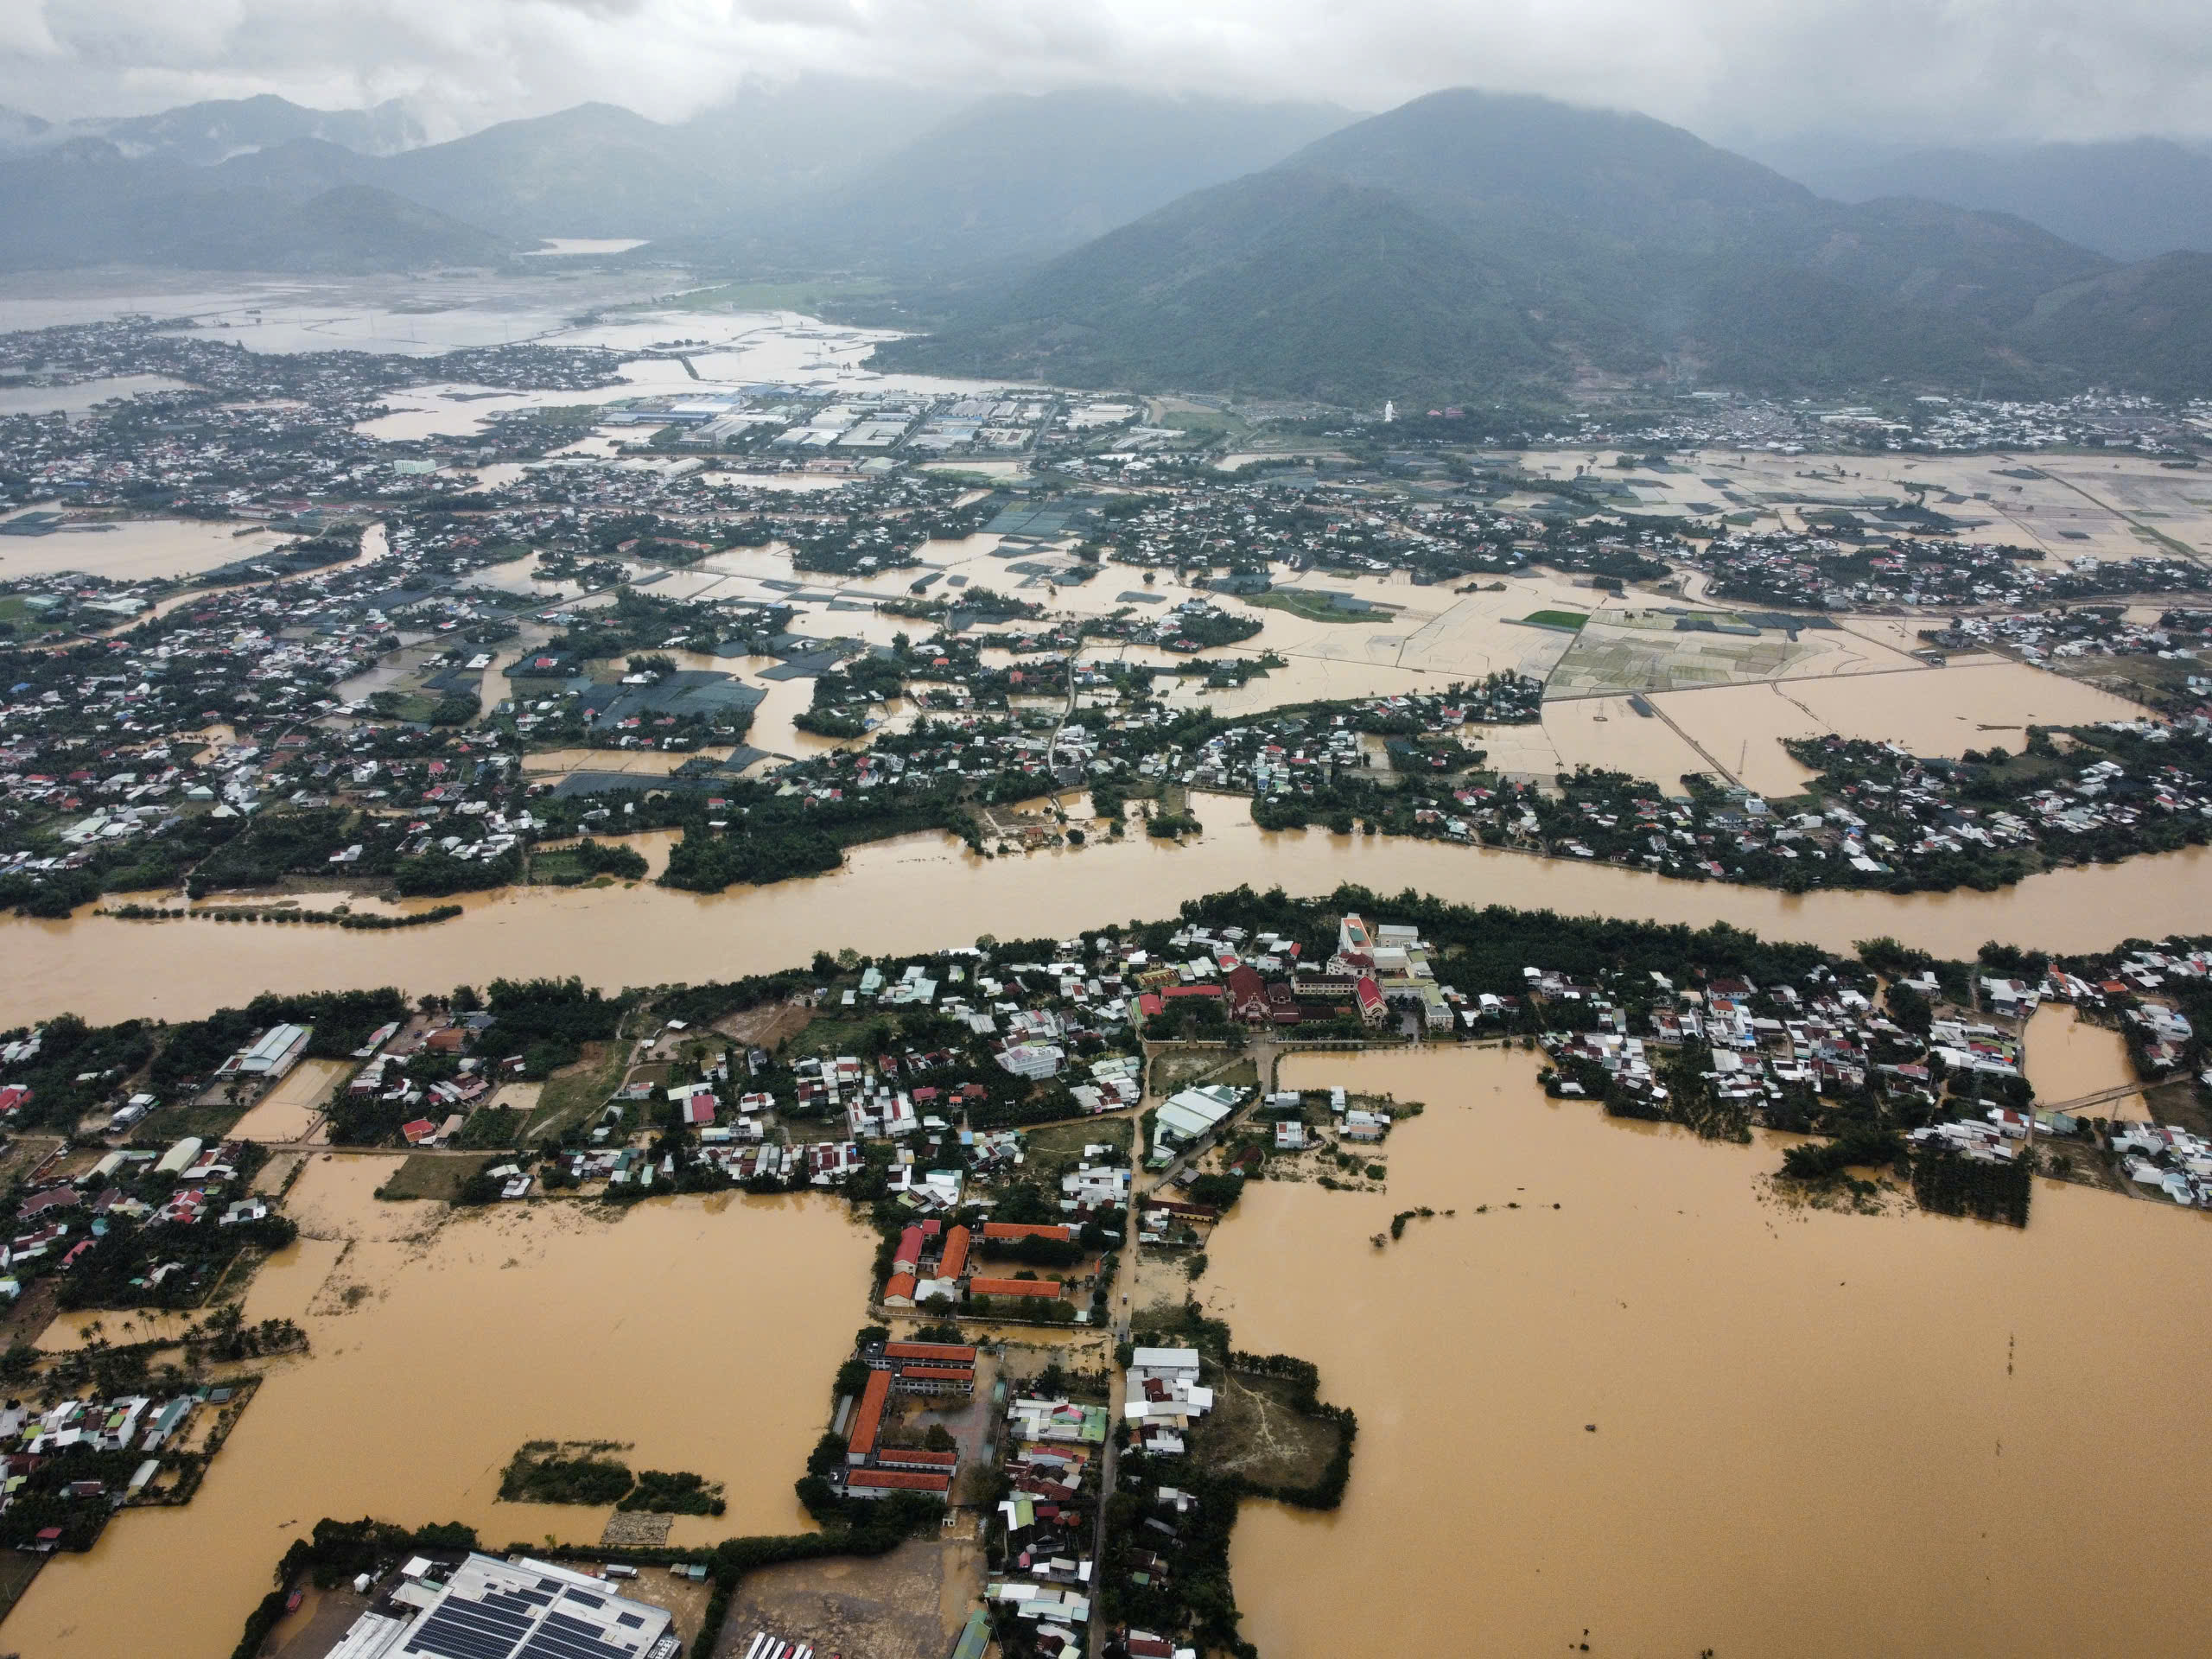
(439, 1345)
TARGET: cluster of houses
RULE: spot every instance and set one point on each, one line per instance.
(1834, 573)
(57, 1222)
(129, 1423)
(1762, 1039)
(1053, 1448)
(1165, 1397)
(2168, 1159)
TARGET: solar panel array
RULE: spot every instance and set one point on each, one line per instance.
(488, 1629)
(515, 1624)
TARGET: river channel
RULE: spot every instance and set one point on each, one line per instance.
(1681, 1416)
(925, 891)
(704, 1331)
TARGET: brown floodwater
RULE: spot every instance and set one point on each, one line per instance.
(923, 892)
(1930, 711)
(1814, 1433)
(926, 891)
(705, 1330)
(2066, 1058)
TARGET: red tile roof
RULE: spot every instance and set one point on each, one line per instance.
(947, 1352)
(1025, 1230)
(910, 1250)
(954, 1263)
(869, 1418)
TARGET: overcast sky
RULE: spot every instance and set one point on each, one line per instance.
(1733, 70)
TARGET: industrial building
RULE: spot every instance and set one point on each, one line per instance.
(272, 1054)
(486, 1608)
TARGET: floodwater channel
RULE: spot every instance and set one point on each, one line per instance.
(702, 1331)
(1676, 1414)
(926, 890)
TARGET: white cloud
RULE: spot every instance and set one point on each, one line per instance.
(1953, 69)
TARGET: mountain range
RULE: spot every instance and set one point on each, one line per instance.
(820, 173)
(1467, 244)
(2128, 199)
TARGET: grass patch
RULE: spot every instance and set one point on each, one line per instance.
(1048, 1153)
(210, 1120)
(1212, 422)
(1314, 607)
(1245, 1074)
(424, 1176)
(1558, 622)
(561, 869)
(1255, 1431)
(828, 1037)
(417, 706)
(494, 1126)
(1171, 1072)
(575, 1092)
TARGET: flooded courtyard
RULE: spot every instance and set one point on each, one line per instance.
(1675, 1415)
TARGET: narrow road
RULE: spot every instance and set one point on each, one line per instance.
(1117, 1331)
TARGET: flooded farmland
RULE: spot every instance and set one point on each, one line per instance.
(297, 1105)
(439, 1349)
(1931, 712)
(132, 549)
(923, 890)
(1683, 1417)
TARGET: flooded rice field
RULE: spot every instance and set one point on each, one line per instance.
(1675, 1415)
(924, 891)
(132, 549)
(295, 1106)
(437, 1350)
(1932, 711)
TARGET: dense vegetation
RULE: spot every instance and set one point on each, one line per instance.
(1952, 1185)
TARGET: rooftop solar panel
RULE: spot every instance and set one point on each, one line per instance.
(453, 1637)
(561, 1644)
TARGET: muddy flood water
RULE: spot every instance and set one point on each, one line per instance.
(926, 892)
(1681, 1416)
(2067, 1058)
(704, 1331)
